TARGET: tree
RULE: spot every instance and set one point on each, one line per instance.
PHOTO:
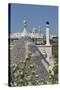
(53, 74)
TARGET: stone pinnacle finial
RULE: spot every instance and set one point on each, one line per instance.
(24, 33)
(25, 23)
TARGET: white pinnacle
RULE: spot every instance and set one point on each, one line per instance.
(24, 33)
(47, 34)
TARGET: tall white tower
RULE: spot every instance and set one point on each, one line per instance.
(47, 34)
(25, 33)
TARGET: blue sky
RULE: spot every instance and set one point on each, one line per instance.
(35, 15)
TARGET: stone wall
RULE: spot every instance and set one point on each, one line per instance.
(46, 50)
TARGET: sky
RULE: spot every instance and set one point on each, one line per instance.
(35, 15)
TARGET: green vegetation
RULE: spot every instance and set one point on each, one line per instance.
(53, 75)
(55, 51)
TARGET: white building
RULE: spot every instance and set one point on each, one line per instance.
(34, 34)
